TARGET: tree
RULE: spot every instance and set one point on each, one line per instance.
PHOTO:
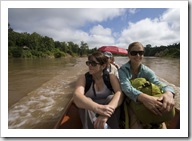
(75, 48)
(64, 47)
(34, 41)
(148, 46)
(147, 50)
(9, 28)
(46, 44)
(83, 48)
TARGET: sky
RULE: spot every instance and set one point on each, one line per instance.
(100, 26)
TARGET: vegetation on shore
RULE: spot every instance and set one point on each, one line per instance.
(34, 45)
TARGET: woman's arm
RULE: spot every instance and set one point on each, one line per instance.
(126, 86)
(115, 102)
(84, 102)
(79, 97)
(118, 96)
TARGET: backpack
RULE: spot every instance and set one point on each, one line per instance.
(141, 112)
(145, 86)
(89, 81)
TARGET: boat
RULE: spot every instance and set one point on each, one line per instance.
(70, 118)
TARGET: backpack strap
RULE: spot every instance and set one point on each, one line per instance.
(89, 80)
(106, 79)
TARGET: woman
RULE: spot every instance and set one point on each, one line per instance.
(98, 101)
(135, 69)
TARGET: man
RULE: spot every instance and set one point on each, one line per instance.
(110, 67)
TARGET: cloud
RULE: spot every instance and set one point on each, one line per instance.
(60, 17)
(65, 24)
(172, 17)
(100, 36)
(159, 31)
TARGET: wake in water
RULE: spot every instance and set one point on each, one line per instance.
(41, 108)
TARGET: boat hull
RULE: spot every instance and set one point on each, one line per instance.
(71, 120)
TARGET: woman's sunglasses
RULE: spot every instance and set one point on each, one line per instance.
(134, 53)
(93, 63)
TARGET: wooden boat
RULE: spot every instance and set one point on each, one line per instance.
(71, 120)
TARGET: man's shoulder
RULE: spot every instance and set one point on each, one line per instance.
(113, 67)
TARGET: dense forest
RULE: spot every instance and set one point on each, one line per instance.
(33, 45)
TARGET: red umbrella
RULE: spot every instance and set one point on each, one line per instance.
(113, 49)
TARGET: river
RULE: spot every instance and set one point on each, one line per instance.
(38, 89)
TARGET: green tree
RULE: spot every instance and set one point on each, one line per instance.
(83, 48)
(34, 41)
(46, 44)
(64, 47)
(75, 48)
(9, 28)
(16, 52)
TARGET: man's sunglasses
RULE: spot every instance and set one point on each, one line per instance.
(93, 63)
(134, 53)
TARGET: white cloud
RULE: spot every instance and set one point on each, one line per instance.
(172, 17)
(55, 18)
(75, 36)
(97, 37)
(65, 24)
(100, 36)
(159, 31)
(101, 31)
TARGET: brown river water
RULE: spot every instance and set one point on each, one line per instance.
(39, 89)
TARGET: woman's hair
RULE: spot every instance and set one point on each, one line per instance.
(134, 44)
(99, 56)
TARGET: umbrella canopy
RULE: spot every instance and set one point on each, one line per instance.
(113, 49)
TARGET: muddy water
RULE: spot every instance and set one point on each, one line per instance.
(43, 105)
(38, 90)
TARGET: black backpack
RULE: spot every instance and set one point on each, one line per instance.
(89, 81)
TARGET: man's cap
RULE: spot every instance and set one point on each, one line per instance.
(108, 54)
